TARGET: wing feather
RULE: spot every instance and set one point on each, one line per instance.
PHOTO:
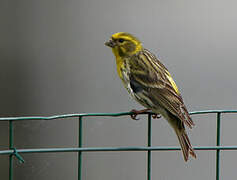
(158, 81)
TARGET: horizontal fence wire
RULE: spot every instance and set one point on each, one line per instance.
(12, 151)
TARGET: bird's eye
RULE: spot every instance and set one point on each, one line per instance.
(121, 40)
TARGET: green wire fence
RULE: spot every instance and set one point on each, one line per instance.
(12, 151)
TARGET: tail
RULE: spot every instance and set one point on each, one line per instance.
(185, 143)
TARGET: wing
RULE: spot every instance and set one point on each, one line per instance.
(147, 72)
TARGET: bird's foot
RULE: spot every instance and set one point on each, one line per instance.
(156, 116)
(136, 112)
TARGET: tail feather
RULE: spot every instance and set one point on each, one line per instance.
(185, 144)
(178, 126)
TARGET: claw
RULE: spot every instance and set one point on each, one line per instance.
(156, 116)
(133, 116)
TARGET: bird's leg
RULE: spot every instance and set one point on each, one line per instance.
(136, 112)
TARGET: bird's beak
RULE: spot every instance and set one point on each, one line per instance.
(110, 43)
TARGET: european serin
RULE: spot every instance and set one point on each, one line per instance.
(150, 83)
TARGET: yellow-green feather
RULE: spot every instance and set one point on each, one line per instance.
(172, 83)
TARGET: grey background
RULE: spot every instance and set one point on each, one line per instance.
(53, 61)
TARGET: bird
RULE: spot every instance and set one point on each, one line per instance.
(149, 82)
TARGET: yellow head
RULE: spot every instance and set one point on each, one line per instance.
(124, 44)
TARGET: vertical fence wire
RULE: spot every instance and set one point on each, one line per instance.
(218, 135)
(79, 152)
(149, 135)
(11, 147)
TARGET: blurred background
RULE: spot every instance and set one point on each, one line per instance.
(53, 61)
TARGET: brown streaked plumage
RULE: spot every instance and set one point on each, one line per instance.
(150, 83)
